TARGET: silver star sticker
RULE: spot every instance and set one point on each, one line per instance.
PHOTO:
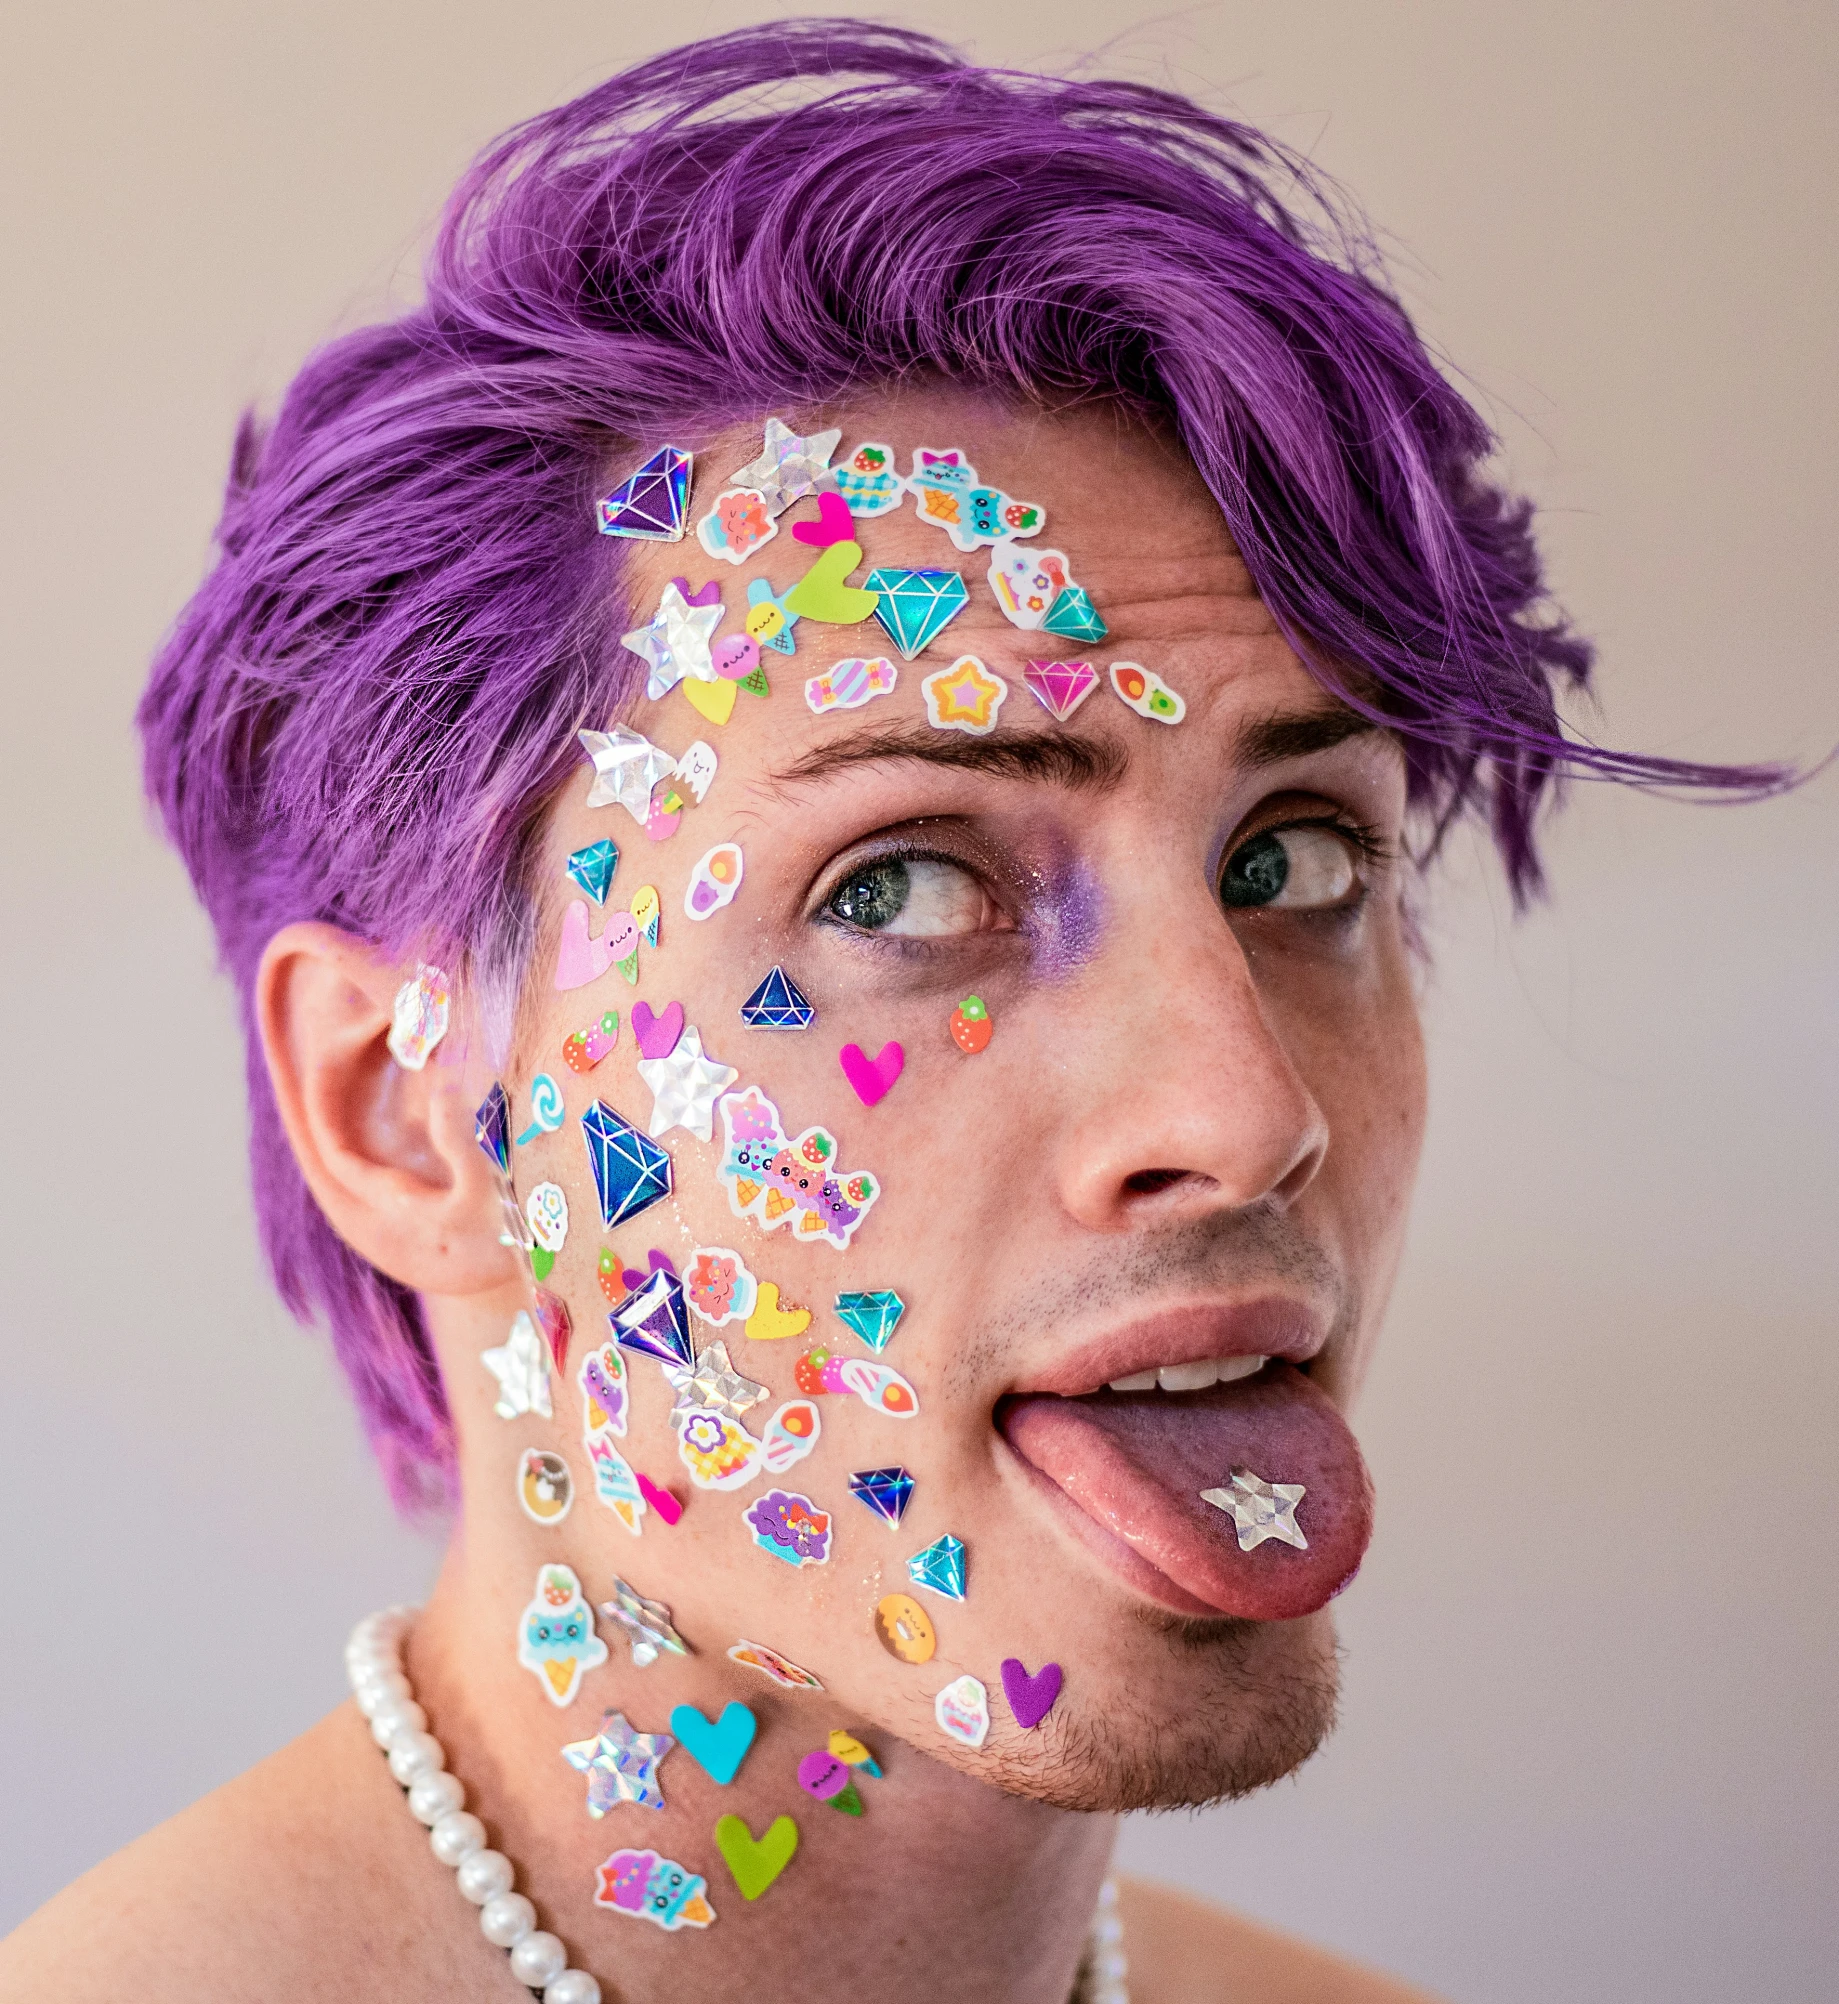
(646, 1622)
(685, 1086)
(521, 1367)
(626, 768)
(1260, 1509)
(714, 1385)
(621, 1765)
(676, 643)
(790, 467)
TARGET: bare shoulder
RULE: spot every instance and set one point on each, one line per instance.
(1185, 1951)
(265, 1889)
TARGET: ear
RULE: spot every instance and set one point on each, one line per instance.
(388, 1154)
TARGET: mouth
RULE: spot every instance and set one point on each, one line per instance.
(1196, 1455)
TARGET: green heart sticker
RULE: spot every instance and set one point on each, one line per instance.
(756, 1862)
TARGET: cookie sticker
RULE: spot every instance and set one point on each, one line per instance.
(905, 1628)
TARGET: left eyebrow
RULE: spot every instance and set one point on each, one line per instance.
(1286, 734)
(1086, 765)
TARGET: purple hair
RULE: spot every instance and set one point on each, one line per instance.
(364, 712)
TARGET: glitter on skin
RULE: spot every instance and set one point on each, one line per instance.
(1066, 933)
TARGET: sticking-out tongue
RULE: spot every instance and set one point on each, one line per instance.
(1136, 1462)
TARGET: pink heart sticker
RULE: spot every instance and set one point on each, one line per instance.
(657, 1034)
(580, 959)
(661, 1500)
(1030, 1698)
(833, 524)
(871, 1077)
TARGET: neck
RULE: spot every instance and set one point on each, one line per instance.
(858, 1911)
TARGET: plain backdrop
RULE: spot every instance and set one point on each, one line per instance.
(1588, 1749)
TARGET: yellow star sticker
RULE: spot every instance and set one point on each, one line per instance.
(964, 697)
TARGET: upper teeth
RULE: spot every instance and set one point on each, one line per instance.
(1194, 1377)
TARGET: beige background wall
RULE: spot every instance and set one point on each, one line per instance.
(1589, 1748)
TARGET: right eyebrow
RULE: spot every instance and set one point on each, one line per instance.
(1085, 765)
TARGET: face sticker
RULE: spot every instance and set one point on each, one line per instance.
(964, 697)
(940, 1567)
(660, 1500)
(905, 1628)
(654, 1889)
(947, 493)
(696, 769)
(789, 1435)
(874, 1317)
(646, 1622)
(718, 1286)
(791, 1527)
(546, 1110)
(651, 504)
(768, 621)
(963, 1711)
(755, 1862)
(675, 642)
(615, 1483)
(916, 606)
(419, 1017)
(654, 1321)
(602, 1379)
(970, 1025)
(777, 1004)
(737, 526)
(592, 868)
(521, 1367)
(886, 1491)
(645, 909)
(825, 594)
(792, 1183)
(546, 1208)
(771, 1323)
(871, 1079)
(717, 1746)
(621, 1765)
(824, 1777)
(714, 881)
(718, 1451)
(781, 1669)
(712, 1384)
(631, 1172)
(877, 1386)
(1147, 694)
(685, 1087)
(852, 1753)
(789, 467)
(583, 1050)
(545, 1488)
(626, 769)
(492, 1128)
(1030, 1698)
(581, 959)
(556, 1639)
(867, 481)
(847, 685)
(1060, 686)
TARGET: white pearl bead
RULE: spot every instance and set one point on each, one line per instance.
(505, 1920)
(400, 1715)
(414, 1754)
(456, 1836)
(435, 1796)
(538, 1958)
(573, 1986)
(484, 1876)
(377, 1694)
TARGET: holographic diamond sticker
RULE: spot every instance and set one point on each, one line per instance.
(874, 1317)
(777, 1004)
(655, 1321)
(886, 1491)
(916, 606)
(940, 1567)
(1060, 686)
(652, 503)
(1073, 616)
(592, 868)
(631, 1172)
(492, 1127)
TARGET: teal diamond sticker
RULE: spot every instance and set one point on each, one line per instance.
(940, 1567)
(916, 606)
(874, 1317)
(1073, 617)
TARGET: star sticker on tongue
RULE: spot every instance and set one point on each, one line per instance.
(1260, 1509)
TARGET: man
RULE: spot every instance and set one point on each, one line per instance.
(839, 1057)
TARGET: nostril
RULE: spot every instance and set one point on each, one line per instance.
(1147, 1182)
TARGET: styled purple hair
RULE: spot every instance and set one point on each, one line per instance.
(365, 711)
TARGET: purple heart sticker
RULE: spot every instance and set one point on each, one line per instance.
(710, 594)
(1030, 1698)
(657, 1034)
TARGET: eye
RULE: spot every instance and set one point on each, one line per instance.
(1291, 869)
(915, 897)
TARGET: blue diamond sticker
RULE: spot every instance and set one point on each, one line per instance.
(652, 503)
(940, 1567)
(886, 1491)
(874, 1317)
(777, 1004)
(592, 868)
(916, 606)
(492, 1127)
(654, 1321)
(631, 1172)
(1073, 616)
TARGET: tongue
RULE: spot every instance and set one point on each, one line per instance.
(1136, 1462)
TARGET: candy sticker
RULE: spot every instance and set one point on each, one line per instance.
(546, 1209)
(1060, 686)
(654, 1889)
(867, 481)
(545, 1488)
(793, 1183)
(546, 1109)
(737, 526)
(791, 1527)
(964, 697)
(768, 621)
(592, 868)
(651, 504)
(947, 493)
(781, 1669)
(718, 1285)
(585, 1049)
(1147, 694)
(718, 1451)
(1030, 1698)
(770, 1323)
(714, 881)
(717, 1746)
(847, 685)
(905, 1628)
(521, 1366)
(581, 959)
(602, 1379)
(685, 1086)
(963, 1711)
(621, 1765)
(419, 1017)
(971, 1025)
(789, 1435)
(675, 642)
(556, 1639)
(755, 1862)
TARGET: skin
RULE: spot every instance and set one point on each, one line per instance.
(1186, 1113)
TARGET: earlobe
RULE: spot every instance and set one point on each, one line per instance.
(388, 1154)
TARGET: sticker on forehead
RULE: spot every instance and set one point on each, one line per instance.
(947, 493)
(791, 1183)
(963, 1711)
(964, 697)
(652, 503)
(789, 467)
(833, 524)
(738, 526)
(714, 881)
(419, 1017)
(1147, 694)
(674, 643)
(790, 1527)
(1060, 686)
(916, 606)
(718, 1285)
(867, 481)
(781, 1669)
(1036, 590)
(847, 685)
(545, 1488)
(767, 620)
(825, 594)
(556, 1638)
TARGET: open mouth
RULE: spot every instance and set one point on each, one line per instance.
(1231, 1483)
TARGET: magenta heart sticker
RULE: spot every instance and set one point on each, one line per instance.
(832, 525)
(661, 1500)
(1030, 1698)
(871, 1077)
(657, 1034)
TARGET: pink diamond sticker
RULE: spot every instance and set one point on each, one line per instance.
(1060, 686)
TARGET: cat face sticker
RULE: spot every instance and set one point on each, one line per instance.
(779, 1182)
(556, 1640)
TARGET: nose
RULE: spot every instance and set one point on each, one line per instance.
(1187, 1101)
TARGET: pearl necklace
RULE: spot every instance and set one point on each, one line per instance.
(373, 1662)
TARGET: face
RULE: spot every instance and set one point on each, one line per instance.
(1140, 1199)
